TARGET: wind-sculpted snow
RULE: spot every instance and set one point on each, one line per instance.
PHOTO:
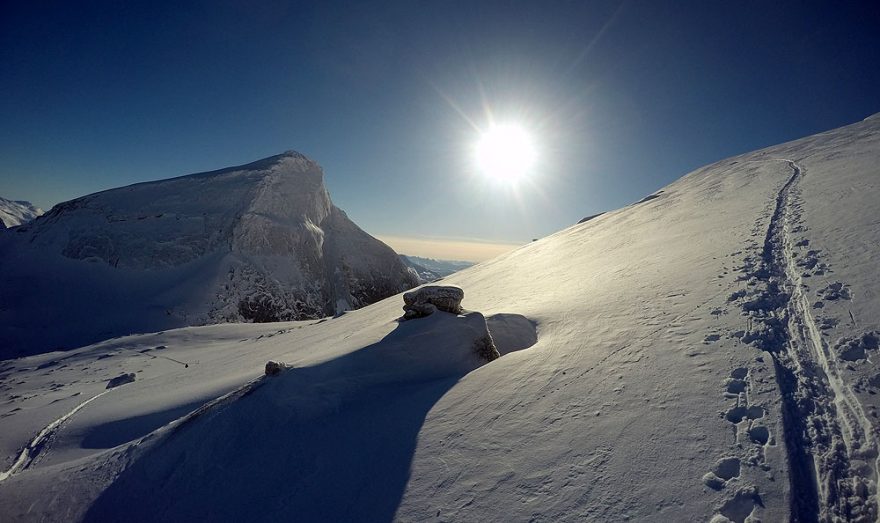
(260, 242)
(707, 354)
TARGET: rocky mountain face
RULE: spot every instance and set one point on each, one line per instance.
(259, 242)
(16, 212)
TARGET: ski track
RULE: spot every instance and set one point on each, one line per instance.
(827, 434)
(39, 444)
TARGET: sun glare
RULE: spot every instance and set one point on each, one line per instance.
(505, 152)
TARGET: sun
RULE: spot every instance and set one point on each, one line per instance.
(505, 152)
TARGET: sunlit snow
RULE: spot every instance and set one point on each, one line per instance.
(705, 353)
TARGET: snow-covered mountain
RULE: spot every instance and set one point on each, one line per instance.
(429, 269)
(259, 242)
(441, 267)
(17, 212)
(708, 354)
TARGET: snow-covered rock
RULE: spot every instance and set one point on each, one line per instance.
(426, 300)
(122, 379)
(274, 368)
(484, 345)
(259, 242)
(17, 212)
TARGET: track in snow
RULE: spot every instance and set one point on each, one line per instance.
(37, 445)
(830, 445)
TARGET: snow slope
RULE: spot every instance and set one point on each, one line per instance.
(258, 242)
(707, 353)
(14, 213)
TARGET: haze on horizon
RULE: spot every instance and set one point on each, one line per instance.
(619, 99)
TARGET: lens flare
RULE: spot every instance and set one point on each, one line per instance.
(505, 152)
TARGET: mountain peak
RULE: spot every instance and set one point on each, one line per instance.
(294, 154)
(292, 161)
(255, 242)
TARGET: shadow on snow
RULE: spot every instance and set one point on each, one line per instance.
(332, 442)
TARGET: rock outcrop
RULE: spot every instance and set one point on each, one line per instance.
(427, 300)
(430, 298)
(274, 368)
(484, 346)
(120, 380)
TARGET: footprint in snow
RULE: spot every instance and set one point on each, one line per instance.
(835, 291)
(739, 507)
(741, 504)
(739, 413)
(735, 386)
(759, 434)
(739, 373)
(725, 469)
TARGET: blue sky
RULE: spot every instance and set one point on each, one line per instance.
(621, 97)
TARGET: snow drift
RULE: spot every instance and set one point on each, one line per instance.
(260, 242)
(704, 354)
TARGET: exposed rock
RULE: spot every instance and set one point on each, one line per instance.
(274, 368)
(425, 300)
(485, 347)
(122, 379)
(418, 310)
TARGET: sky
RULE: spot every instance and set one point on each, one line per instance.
(620, 98)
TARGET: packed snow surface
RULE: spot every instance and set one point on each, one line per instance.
(17, 212)
(705, 354)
